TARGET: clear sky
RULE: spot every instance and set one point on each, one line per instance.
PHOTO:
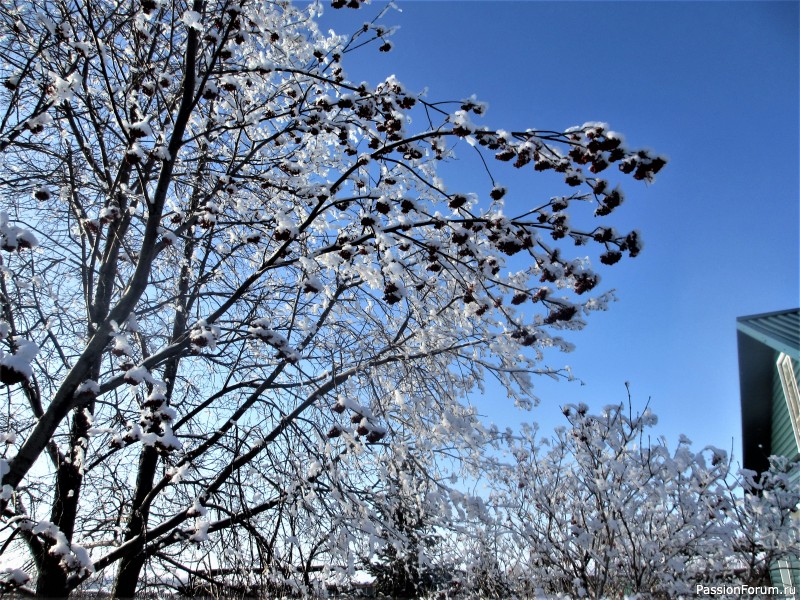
(714, 86)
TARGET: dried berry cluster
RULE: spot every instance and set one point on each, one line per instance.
(154, 426)
(14, 238)
(362, 418)
(591, 145)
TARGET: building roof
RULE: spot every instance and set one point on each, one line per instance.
(759, 338)
(779, 330)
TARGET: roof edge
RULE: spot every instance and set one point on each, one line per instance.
(773, 313)
(753, 327)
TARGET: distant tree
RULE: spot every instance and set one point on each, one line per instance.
(486, 572)
(602, 510)
(229, 274)
(402, 567)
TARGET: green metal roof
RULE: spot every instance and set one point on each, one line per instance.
(778, 330)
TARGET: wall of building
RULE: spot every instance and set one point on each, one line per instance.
(783, 439)
(784, 443)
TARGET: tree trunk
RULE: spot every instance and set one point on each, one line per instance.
(53, 581)
(131, 565)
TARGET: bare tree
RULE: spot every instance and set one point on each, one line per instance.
(232, 275)
(602, 509)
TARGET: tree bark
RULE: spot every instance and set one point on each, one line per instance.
(53, 580)
(131, 564)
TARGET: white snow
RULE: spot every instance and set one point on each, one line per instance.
(20, 361)
(16, 577)
(192, 19)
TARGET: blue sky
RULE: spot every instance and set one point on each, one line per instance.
(714, 86)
